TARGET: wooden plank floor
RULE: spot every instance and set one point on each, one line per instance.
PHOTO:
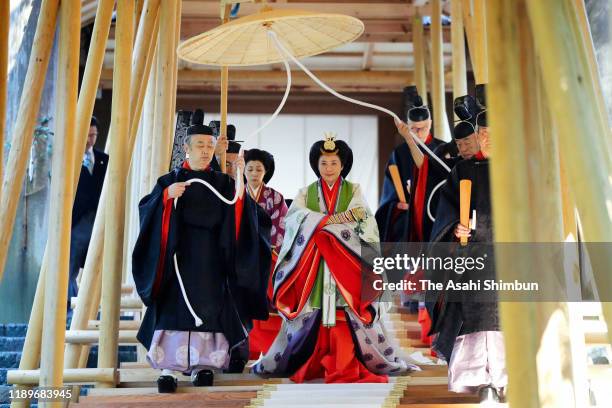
(423, 389)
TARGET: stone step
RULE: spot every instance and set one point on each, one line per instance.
(11, 343)
(13, 330)
(10, 359)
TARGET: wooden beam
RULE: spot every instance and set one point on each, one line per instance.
(23, 131)
(249, 80)
(71, 376)
(94, 336)
(61, 195)
(376, 30)
(440, 122)
(115, 205)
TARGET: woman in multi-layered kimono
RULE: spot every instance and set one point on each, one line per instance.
(259, 169)
(331, 322)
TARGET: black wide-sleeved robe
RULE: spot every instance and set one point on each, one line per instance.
(224, 266)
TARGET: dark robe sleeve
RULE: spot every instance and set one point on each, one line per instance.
(149, 263)
(445, 316)
(250, 254)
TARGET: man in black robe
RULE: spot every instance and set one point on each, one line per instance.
(409, 222)
(467, 326)
(200, 266)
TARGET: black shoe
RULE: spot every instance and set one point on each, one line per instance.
(236, 366)
(488, 394)
(166, 384)
(203, 378)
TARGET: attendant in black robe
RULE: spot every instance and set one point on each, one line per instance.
(199, 312)
(468, 332)
(399, 222)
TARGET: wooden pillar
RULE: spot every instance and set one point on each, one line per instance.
(115, 205)
(572, 96)
(148, 117)
(90, 282)
(511, 219)
(163, 129)
(61, 197)
(438, 97)
(475, 21)
(418, 45)
(458, 43)
(527, 210)
(589, 47)
(23, 131)
(5, 19)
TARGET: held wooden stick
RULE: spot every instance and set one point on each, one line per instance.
(23, 131)
(224, 85)
(397, 182)
(465, 193)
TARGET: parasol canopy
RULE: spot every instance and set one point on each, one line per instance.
(245, 41)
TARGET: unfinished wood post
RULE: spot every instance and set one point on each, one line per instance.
(418, 44)
(163, 128)
(458, 45)
(5, 19)
(115, 205)
(572, 96)
(440, 121)
(511, 216)
(23, 131)
(147, 35)
(587, 39)
(61, 197)
(475, 21)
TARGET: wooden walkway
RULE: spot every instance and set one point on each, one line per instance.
(423, 389)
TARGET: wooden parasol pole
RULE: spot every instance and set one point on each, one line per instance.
(458, 43)
(61, 197)
(225, 16)
(5, 19)
(440, 124)
(115, 207)
(418, 44)
(23, 131)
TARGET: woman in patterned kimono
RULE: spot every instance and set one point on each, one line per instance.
(259, 169)
(331, 323)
